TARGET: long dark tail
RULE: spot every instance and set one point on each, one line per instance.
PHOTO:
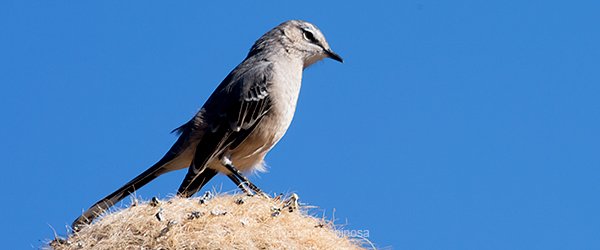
(171, 161)
(94, 211)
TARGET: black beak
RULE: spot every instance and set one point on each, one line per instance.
(334, 56)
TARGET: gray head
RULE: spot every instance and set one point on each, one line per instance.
(298, 38)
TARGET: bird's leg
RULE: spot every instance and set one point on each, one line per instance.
(240, 177)
(243, 180)
(240, 184)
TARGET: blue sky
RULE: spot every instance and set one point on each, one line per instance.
(451, 124)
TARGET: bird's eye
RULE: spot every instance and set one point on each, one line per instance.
(309, 36)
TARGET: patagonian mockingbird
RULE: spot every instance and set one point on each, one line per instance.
(243, 118)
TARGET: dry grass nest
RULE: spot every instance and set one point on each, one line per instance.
(222, 222)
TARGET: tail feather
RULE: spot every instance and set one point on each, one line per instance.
(111, 199)
(176, 158)
(179, 156)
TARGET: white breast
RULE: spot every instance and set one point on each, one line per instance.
(284, 93)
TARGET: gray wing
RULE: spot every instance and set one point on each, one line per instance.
(251, 100)
(230, 114)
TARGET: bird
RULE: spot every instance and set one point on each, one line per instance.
(245, 116)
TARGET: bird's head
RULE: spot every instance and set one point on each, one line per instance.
(305, 38)
(298, 39)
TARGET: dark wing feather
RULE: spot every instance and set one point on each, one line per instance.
(232, 112)
(253, 100)
(249, 101)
